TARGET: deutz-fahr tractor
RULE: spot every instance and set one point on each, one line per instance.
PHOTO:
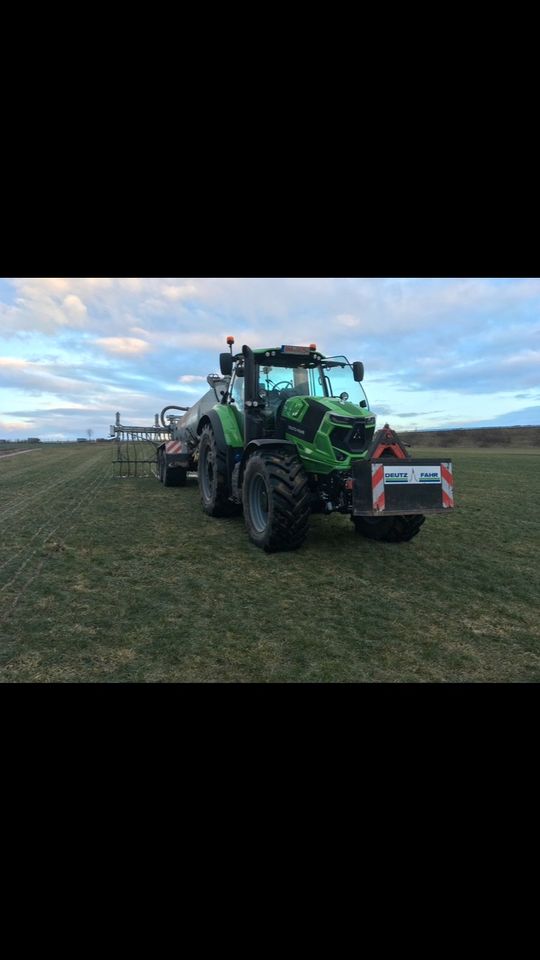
(285, 432)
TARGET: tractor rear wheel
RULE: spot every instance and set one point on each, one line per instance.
(389, 529)
(277, 501)
(212, 477)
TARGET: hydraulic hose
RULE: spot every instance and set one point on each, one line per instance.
(164, 411)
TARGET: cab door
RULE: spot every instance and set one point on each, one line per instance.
(236, 398)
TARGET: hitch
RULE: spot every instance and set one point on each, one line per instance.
(387, 443)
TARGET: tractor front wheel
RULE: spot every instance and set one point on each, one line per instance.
(277, 501)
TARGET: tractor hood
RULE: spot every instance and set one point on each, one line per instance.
(327, 429)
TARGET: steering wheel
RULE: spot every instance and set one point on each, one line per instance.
(287, 385)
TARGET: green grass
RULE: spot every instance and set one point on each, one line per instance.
(115, 580)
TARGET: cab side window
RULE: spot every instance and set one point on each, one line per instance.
(237, 393)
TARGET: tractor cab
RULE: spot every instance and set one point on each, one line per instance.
(266, 386)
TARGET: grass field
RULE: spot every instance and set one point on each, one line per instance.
(106, 580)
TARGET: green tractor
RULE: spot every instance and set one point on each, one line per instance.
(285, 432)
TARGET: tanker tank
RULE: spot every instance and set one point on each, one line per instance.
(185, 428)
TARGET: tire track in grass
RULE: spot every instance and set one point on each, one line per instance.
(5, 456)
(87, 497)
(58, 516)
(58, 512)
(11, 513)
(18, 483)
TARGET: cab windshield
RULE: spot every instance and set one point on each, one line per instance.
(337, 373)
(333, 377)
(285, 381)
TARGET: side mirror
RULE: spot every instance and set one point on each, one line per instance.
(358, 371)
(225, 364)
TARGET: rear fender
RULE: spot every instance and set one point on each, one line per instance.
(224, 434)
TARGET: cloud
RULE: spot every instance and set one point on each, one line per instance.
(36, 378)
(41, 285)
(364, 305)
(527, 417)
(116, 339)
(132, 284)
(347, 320)
(179, 293)
(74, 306)
(509, 373)
(414, 413)
(129, 346)
(140, 332)
(74, 411)
(13, 363)
(44, 304)
(14, 426)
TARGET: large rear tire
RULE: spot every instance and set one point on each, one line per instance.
(212, 477)
(277, 501)
(389, 529)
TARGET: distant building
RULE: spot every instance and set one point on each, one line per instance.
(82, 439)
(33, 440)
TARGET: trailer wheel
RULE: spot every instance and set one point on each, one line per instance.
(212, 477)
(277, 501)
(389, 529)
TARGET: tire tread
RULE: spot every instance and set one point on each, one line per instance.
(291, 501)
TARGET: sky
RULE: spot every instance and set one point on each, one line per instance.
(438, 352)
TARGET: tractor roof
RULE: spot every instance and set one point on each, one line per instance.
(288, 355)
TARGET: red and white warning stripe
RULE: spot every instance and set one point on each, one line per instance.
(173, 446)
(377, 484)
(447, 485)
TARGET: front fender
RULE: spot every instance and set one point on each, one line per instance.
(273, 444)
